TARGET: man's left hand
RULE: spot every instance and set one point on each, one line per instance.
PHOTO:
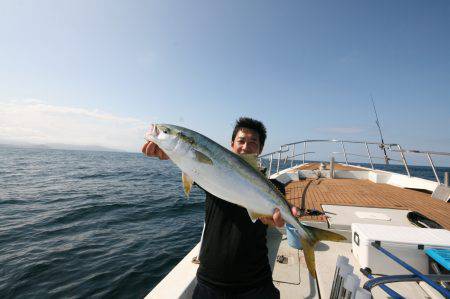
(276, 219)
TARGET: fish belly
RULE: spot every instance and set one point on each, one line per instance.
(227, 184)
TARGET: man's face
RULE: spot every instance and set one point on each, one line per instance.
(246, 142)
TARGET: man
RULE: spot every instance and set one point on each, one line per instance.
(233, 255)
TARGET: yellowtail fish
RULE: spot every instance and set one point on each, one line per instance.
(234, 178)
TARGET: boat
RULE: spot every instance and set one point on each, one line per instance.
(397, 213)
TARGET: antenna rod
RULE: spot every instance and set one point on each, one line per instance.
(386, 158)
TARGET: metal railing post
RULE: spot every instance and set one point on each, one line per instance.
(404, 160)
(279, 158)
(304, 151)
(293, 155)
(345, 153)
(368, 153)
(393, 147)
(434, 169)
(332, 167)
(270, 164)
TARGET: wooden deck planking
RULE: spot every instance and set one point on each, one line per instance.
(364, 193)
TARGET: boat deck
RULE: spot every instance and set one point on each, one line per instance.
(337, 166)
(313, 193)
(341, 199)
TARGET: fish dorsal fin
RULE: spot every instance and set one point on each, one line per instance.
(251, 159)
(254, 216)
(187, 183)
(202, 158)
(277, 189)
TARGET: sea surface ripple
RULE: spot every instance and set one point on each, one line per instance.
(79, 224)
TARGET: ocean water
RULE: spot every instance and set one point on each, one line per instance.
(79, 224)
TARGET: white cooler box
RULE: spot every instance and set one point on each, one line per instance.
(406, 243)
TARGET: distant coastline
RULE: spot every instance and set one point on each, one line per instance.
(58, 146)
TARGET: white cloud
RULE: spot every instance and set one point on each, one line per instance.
(34, 121)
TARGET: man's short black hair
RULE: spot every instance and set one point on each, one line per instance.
(251, 124)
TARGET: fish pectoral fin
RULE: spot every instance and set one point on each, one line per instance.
(308, 252)
(187, 183)
(202, 158)
(251, 159)
(255, 216)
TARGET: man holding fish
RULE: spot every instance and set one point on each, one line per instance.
(240, 200)
(239, 251)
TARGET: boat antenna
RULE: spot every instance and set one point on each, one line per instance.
(386, 158)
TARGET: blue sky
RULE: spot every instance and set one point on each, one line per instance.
(99, 72)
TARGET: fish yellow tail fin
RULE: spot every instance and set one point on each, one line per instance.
(325, 235)
(308, 252)
(308, 246)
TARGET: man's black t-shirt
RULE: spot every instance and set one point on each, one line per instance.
(233, 253)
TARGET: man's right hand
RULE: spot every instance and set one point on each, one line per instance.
(152, 150)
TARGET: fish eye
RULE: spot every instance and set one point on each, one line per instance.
(165, 130)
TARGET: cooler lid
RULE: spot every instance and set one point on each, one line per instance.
(402, 234)
(440, 255)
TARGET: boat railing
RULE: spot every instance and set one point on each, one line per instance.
(289, 151)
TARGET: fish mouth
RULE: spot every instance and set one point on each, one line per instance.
(154, 129)
(152, 133)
